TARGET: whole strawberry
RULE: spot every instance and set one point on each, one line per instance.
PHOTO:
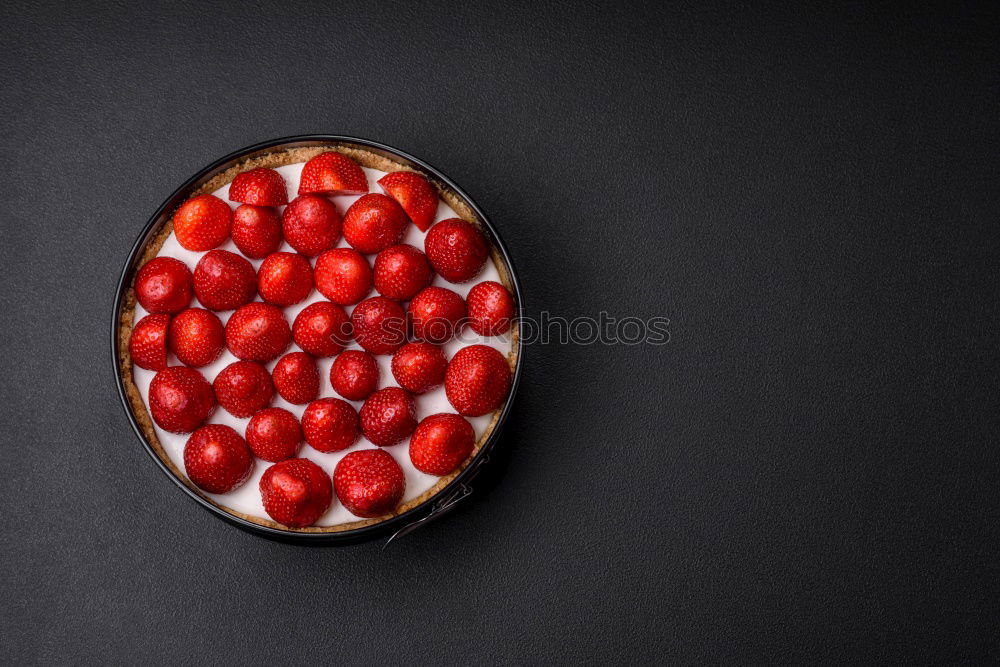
(379, 325)
(196, 337)
(164, 285)
(419, 367)
(354, 375)
(296, 492)
(257, 332)
(440, 444)
(491, 308)
(373, 223)
(401, 271)
(369, 483)
(259, 187)
(333, 174)
(217, 459)
(243, 388)
(180, 399)
(224, 281)
(256, 230)
(388, 416)
(477, 380)
(322, 329)
(284, 278)
(456, 250)
(414, 194)
(148, 343)
(436, 314)
(330, 425)
(274, 434)
(296, 378)
(203, 222)
(343, 276)
(311, 224)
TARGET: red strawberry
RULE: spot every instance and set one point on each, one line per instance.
(274, 434)
(163, 285)
(296, 492)
(257, 332)
(322, 329)
(491, 308)
(388, 416)
(203, 222)
(259, 187)
(343, 276)
(437, 314)
(417, 197)
(354, 375)
(330, 425)
(311, 224)
(333, 174)
(284, 278)
(401, 271)
(369, 483)
(379, 325)
(419, 367)
(217, 459)
(456, 249)
(256, 230)
(243, 388)
(148, 344)
(180, 399)
(373, 223)
(196, 337)
(477, 380)
(440, 443)
(296, 378)
(224, 281)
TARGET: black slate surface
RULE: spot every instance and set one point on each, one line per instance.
(808, 471)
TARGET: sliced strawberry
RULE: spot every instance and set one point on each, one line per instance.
(256, 230)
(217, 459)
(196, 337)
(440, 444)
(259, 187)
(164, 285)
(296, 492)
(415, 194)
(330, 425)
(296, 378)
(354, 374)
(334, 174)
(203, 222)
(369, 483)
(148, 344)
(224, 281)
(243, 388)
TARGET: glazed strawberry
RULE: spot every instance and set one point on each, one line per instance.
(330, 425)
(437, 314)
(419, 367)
(224, 281)
(369, 483)
(148, 344)
(379, 325)
(243, 388)
(257, 332)
(274, 434)
(217, 459)
(322, 329)
(311, 224)
(373, 223)
(284, 278)
(354, 375)
(491, 308)
(414, 194)
(401, 271)
(256, 230)
(196, 337)
(440, 444)
(163, 285)
(333, 174)
(343, 276)
(477, 380)
(296, 378)
(296, 492)
(456, 250)
(259, 187)
(203, 222)
(180, 399)
(388, 416)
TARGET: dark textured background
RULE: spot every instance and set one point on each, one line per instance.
(808, 471)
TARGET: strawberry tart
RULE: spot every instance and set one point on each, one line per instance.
(319, 338)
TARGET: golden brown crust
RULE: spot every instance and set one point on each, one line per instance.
(279, 158)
